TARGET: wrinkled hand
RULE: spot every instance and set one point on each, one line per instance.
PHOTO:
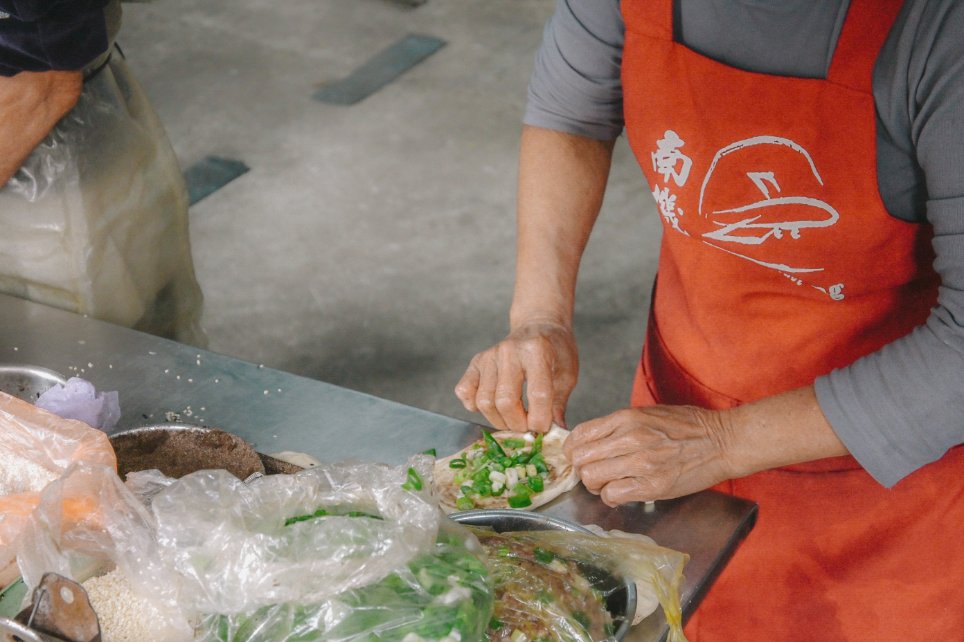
(643, 454)
(31, 103)
(542, 358)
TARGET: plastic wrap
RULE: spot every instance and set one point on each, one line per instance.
(36, 447)
(441, 595)
(78, 399)
(88, 524)
(542, 587)
(340, 552)
(222, 534)
(95, 221)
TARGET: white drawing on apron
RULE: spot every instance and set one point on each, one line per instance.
(772, 218)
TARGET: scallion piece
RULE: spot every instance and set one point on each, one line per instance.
(413, 481)
(492, 446)
(543, 556)
(519, 501)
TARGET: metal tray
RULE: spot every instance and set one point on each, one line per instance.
(621, 594)
(28, 382)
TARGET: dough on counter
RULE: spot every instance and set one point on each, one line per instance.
(298, 459)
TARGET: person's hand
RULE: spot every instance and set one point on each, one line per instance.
(644, 454)
(542, 358)
(661, 452)
(31, 103)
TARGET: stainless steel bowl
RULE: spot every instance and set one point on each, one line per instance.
(621, 593)
(28, 382)
(179, 449)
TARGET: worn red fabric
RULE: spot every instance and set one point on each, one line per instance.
(779, 262)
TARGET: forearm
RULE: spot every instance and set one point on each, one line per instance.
(562, 179)
(30, 105)
(784, 429)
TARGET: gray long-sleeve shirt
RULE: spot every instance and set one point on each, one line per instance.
(903, 406)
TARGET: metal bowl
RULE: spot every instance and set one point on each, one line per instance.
(620, 593)
(28, 382)
(179, 449)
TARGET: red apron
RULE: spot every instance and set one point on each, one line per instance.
(780, 262)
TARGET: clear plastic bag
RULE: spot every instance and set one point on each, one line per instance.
(95, 221)
(87, 525)
(543, 582)
(340, 552)
(222, 534)
(37, 447)
(441, 595)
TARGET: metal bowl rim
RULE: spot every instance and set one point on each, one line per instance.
(30, 368)
(171, 427)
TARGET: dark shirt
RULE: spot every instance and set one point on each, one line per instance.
(44, 35)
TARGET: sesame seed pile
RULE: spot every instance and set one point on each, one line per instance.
(123, 616)
(20, 475)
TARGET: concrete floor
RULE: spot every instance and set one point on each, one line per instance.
(372, 246)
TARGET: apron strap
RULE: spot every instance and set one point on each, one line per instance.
(864, 32)
(651, 18)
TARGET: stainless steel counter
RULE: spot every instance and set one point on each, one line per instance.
(161, 381)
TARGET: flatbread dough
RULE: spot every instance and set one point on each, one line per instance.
(562, 476)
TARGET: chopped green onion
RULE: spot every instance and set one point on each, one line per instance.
(361, 513)
(537, 446)
(321, 512)
(512, 442)
(464, 503)
(414, 480)
(491, 445)
(458, 463)
(430, 451)
(543, 556)
(582, 619)
(540, 463)
(519, 501)
(536, 484)
(483, 487)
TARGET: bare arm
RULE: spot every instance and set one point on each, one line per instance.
(562, 178)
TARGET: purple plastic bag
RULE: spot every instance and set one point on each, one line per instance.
(79, 400)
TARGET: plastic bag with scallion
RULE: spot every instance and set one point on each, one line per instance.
(341, 553)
